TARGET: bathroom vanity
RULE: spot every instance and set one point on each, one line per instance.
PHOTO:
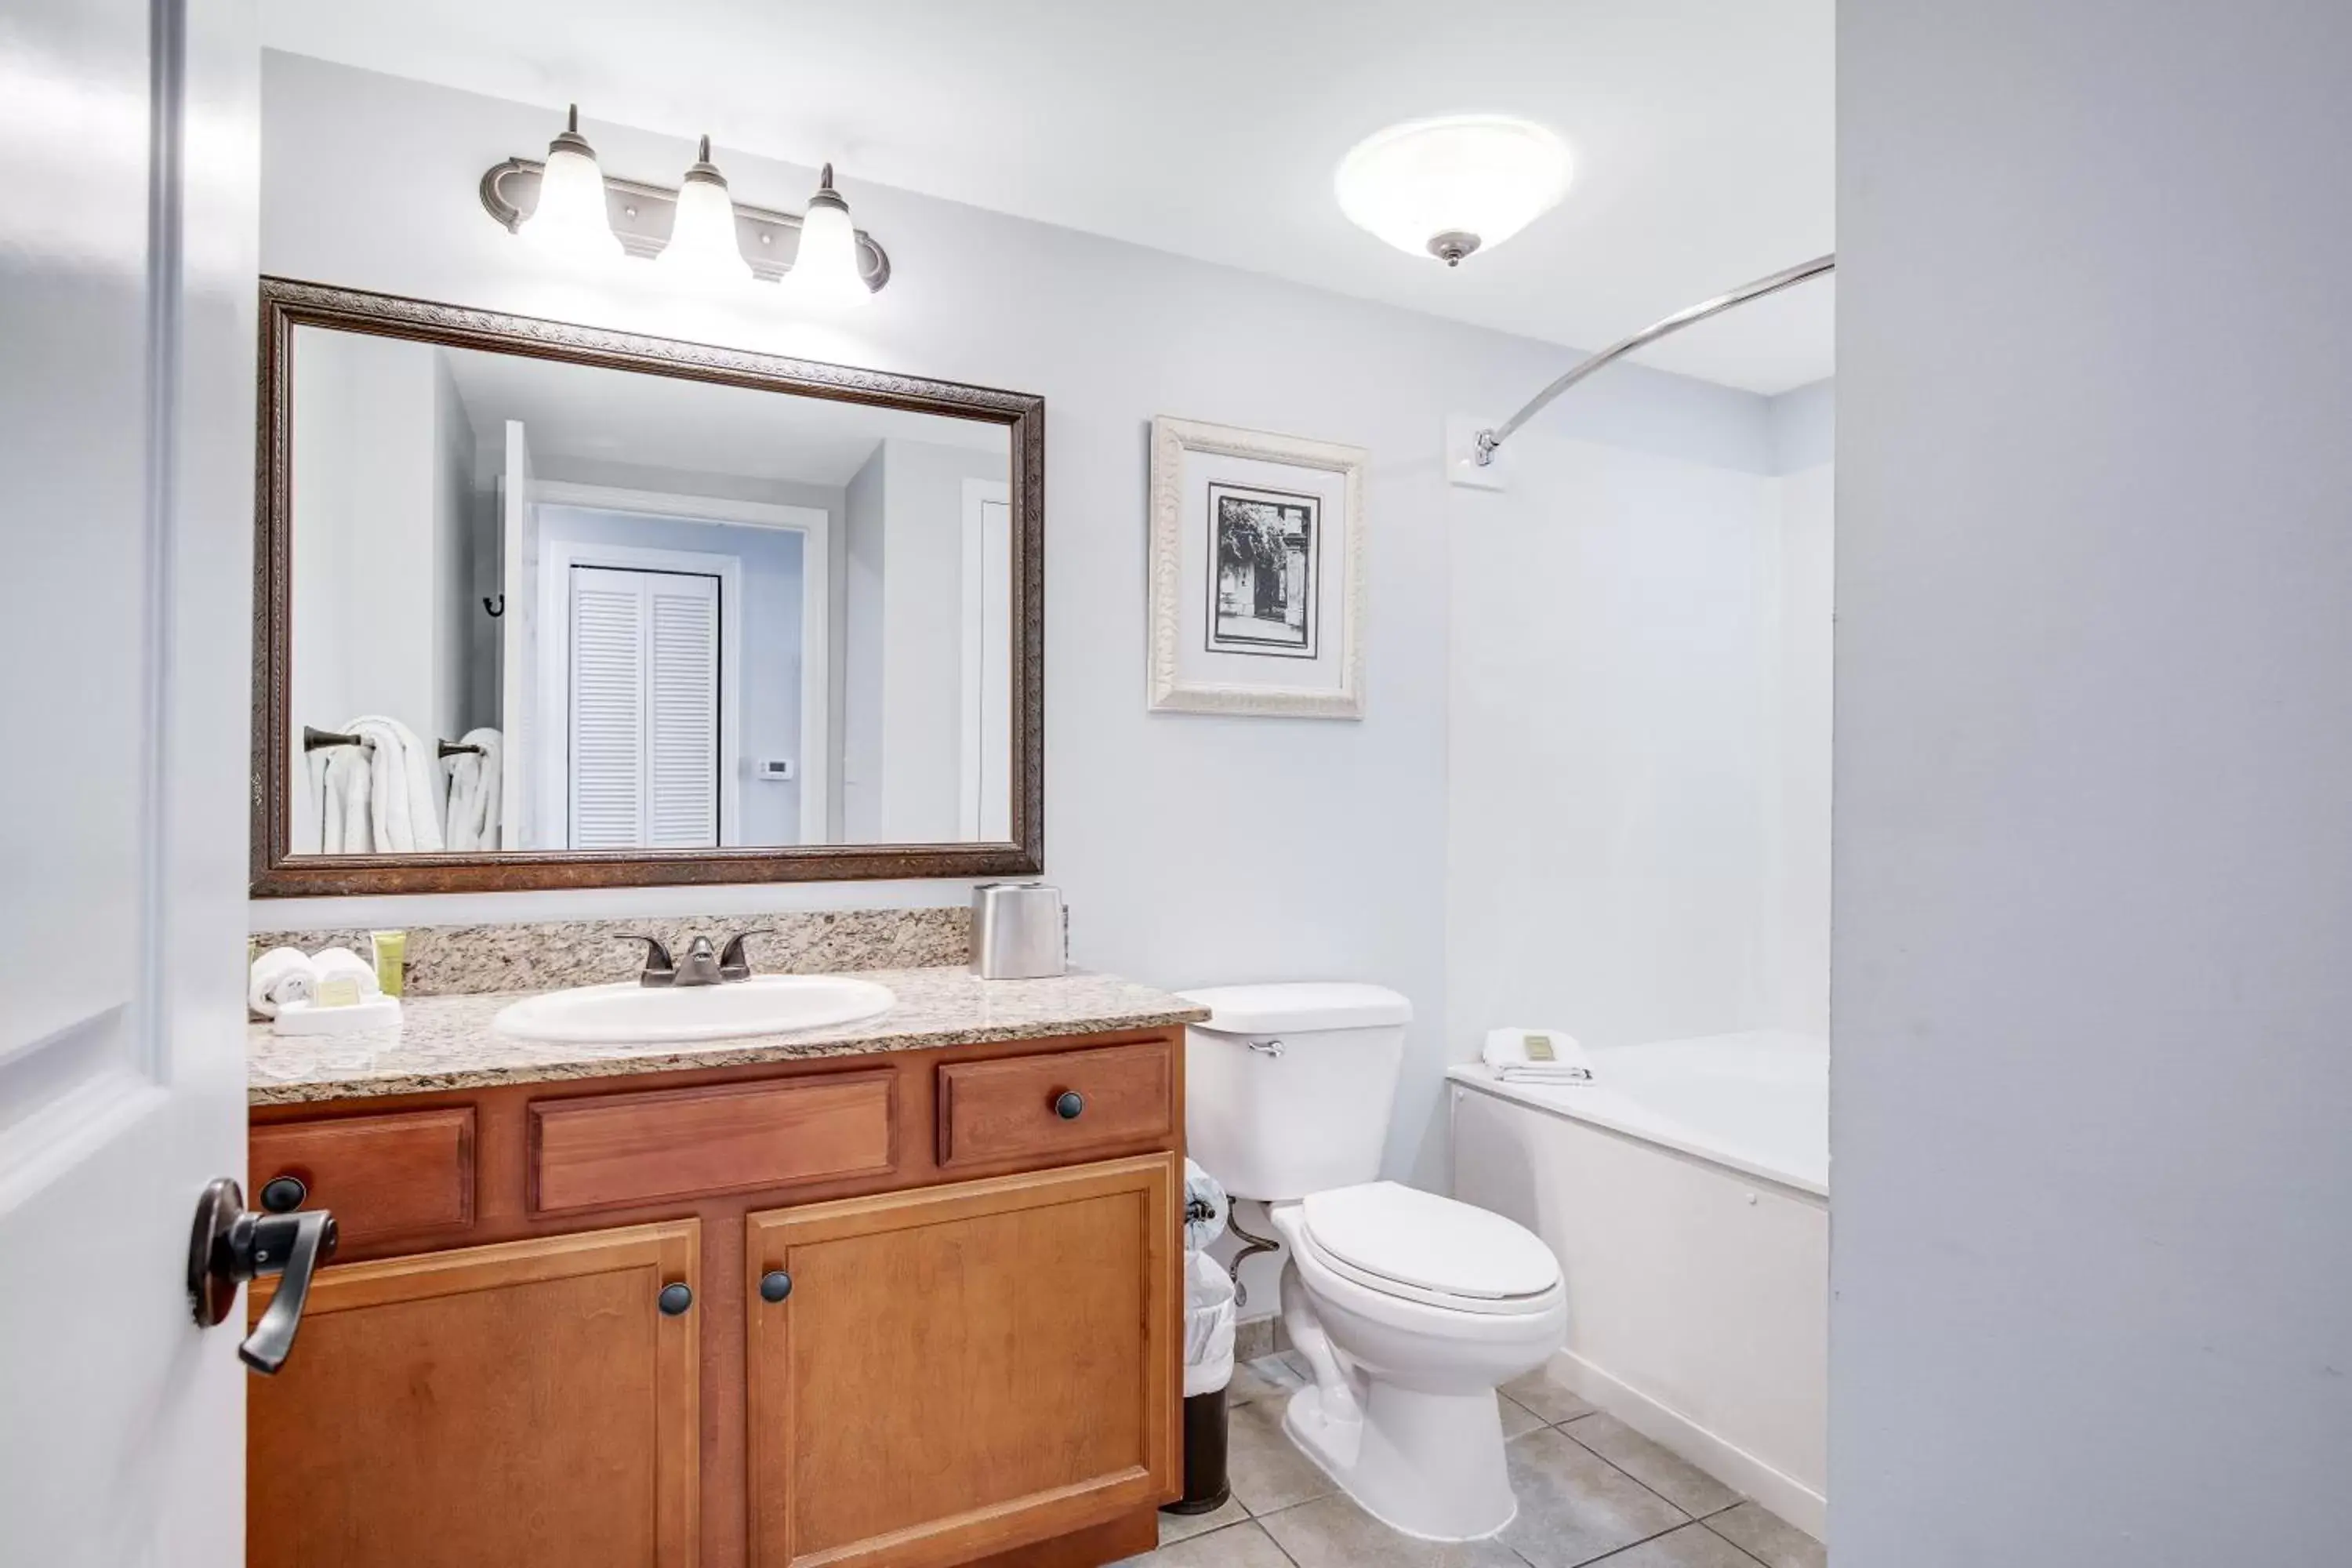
(902, 1294)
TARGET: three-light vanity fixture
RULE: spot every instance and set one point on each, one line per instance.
(569, 206)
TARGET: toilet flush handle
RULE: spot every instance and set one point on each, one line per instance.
(1268, 1048)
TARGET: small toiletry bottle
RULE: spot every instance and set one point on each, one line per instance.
(391, 959)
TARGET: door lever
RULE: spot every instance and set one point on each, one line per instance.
(232, 1246)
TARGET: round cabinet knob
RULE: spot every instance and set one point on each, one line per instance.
(775, 1285)
(283, 1194)
(675, 1298)
(1068, 1103)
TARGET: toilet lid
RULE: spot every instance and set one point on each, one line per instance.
(1427, 1243)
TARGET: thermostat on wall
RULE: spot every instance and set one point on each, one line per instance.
(777, 770)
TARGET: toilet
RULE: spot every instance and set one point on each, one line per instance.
(1407, 1307)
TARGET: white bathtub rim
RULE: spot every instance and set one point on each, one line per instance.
(1735, 1467)
(1605, 1107)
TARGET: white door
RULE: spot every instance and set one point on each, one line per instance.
(985, 801)
(128, 142)
(644, 709)
(518, 641)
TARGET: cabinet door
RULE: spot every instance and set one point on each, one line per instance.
(966, 1369)
(527, 1403)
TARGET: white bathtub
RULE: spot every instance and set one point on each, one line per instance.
(1687, 1194)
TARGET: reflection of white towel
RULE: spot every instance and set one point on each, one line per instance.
(315, 832)
(343, 803)
(404, 813)
(337, 962)
(474, 792)
(1536, 1056)
(279, 976)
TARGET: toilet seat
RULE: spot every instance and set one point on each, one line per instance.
(1413, 1245)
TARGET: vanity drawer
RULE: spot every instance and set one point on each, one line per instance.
(1013, 1107)
(616, 1149)
(409, 1172)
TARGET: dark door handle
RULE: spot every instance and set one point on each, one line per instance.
(231, 1246)
(1069, 1104)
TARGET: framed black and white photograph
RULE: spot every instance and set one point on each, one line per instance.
(1256, 574)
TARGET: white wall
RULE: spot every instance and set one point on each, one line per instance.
(2091, 1262)
(1638, 831)
(1156, 825)
(1797, 664)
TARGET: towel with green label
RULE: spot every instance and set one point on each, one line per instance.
(1536, 1056)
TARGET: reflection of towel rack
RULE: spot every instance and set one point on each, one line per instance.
(318, 740)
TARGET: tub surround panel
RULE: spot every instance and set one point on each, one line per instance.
(447, 1042)
(468, 960)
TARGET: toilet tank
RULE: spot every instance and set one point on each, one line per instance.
(1287, 1088)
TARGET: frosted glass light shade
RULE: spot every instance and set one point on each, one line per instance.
(702, 244)
(1447, 187)
(569, 219)
(825, 270)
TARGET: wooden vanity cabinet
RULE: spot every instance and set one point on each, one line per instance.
(977, 1361)
(527, 1402)
(940, 1375)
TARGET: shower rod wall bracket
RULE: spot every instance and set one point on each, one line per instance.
(1484, 445)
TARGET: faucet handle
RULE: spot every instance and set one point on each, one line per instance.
(735, 964)
(660, 968)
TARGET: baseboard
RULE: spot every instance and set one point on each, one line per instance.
(1736, 1468)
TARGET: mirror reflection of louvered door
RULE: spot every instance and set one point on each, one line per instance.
(644, 709)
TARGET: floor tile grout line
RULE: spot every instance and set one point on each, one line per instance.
(1603, 1559)
(1688, 1517)
(1729, 1541)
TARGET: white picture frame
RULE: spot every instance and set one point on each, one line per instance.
(1256, 574)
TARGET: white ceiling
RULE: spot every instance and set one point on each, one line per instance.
(1702, 129)
(693, 426)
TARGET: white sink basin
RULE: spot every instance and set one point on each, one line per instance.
(632, 1014)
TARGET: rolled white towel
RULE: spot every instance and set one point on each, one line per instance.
(1204, 1191)
(279, 976)
(1536, 1056)
(341, 961)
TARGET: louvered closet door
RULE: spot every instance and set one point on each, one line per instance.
(645, 710)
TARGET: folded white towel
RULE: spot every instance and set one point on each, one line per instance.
(1536, 1056)
(473, 814)
(343, 801)
(404, 804)
(279, 976)
(342, 961)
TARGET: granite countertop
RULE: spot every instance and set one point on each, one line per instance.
(447, 1042)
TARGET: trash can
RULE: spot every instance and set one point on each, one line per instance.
(1208, 1346)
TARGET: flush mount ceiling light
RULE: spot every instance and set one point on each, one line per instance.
(570, 207)
(1447, 187)
(702, 239)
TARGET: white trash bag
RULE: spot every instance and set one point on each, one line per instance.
(1208, 1325)
(1208, 1289)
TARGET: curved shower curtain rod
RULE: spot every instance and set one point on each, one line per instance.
(1488, 440)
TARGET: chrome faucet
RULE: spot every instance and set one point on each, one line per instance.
(703, 964)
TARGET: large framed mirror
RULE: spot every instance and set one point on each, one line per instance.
(540, 606)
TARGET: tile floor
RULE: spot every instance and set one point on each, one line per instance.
(1591, 1491)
